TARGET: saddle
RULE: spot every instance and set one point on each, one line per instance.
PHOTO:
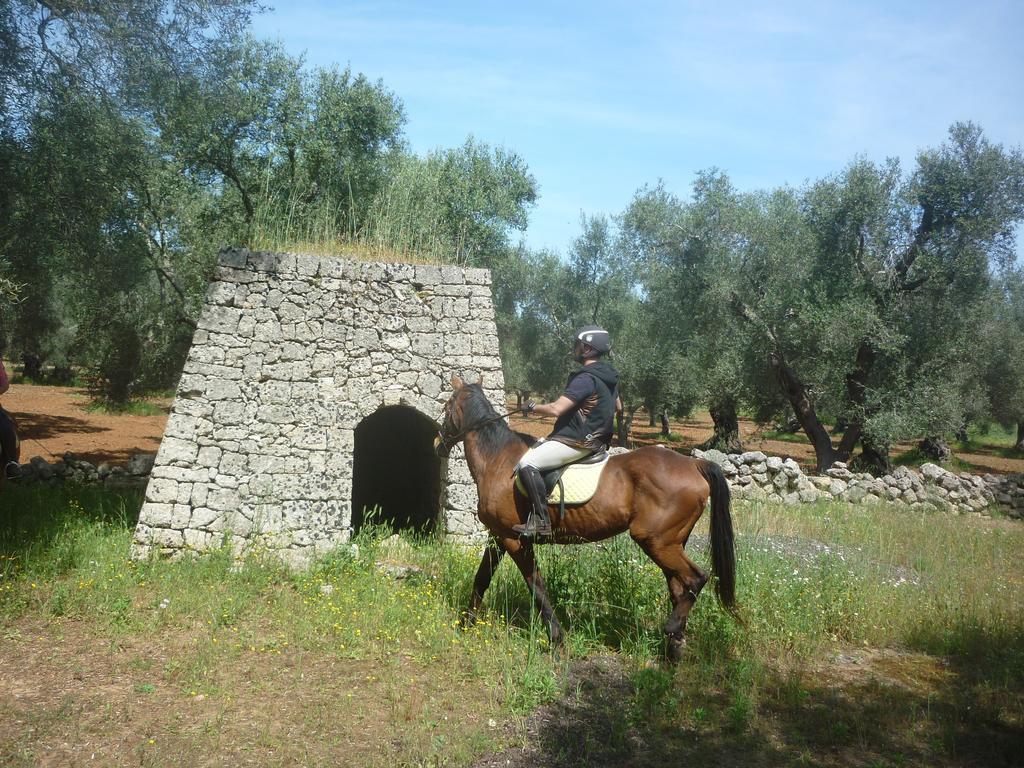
(573, 483)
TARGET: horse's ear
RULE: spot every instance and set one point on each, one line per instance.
(456, 382)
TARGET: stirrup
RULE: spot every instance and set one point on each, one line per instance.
(533, 528)
(12, 470)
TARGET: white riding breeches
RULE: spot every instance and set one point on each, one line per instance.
(548, 454)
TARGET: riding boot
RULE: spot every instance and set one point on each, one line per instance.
(538, 524)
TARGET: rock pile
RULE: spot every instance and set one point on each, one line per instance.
(134, 475)
(754, 475)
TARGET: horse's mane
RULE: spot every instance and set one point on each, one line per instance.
(476, 408)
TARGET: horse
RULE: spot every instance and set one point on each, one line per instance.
(653, 492)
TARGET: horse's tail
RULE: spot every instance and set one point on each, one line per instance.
(723, 556)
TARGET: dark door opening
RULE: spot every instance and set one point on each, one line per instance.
(396, 476)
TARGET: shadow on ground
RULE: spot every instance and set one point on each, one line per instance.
(865, 714)
(41, 426)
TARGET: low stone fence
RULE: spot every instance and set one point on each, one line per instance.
(751, 475)
(754, 475)
(134, 475)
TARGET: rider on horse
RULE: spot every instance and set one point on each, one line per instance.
(584, 424)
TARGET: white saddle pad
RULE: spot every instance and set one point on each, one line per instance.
(580, 482)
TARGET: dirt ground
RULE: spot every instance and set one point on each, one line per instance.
(699, 428)
(55, 420)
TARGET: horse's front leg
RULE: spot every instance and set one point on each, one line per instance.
(484, 574)
(522, 554)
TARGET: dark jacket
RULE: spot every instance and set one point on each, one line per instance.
(591, 423)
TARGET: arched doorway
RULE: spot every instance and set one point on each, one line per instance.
(395, 471)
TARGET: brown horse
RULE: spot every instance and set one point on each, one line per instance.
(654, 493)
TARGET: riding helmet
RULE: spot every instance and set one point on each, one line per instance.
(595, 337)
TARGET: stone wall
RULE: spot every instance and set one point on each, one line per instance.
(134, 475)
(292, 352)
(753, 475)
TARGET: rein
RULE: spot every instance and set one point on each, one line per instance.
(449, 442)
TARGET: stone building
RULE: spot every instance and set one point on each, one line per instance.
(310, 396)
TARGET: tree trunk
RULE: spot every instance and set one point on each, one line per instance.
(626, 424)
(856, 386)
(796, 392)
(727, 428)
(32, 367)
(1020, 437)
(650, 415)
(664, 424)
(961, 434)
(874, 459)
(936, 448)
(800, 399)
(519, 399)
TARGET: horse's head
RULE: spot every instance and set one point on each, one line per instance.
(451, 431)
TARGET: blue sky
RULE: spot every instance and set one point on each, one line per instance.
(601, 98)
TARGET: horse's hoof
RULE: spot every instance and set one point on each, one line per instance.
(676, 648)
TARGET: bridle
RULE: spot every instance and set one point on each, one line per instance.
(447, 442)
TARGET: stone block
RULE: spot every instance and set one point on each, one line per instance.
(839, 471)
(156, 515)
(428, 275)
(478, 276)
(162, 491)
(715, 457)
(949, 481)
(222, 499)
(166, 538)
(233, 257)
(180, 516)
(198, 540)
(220, 319)
(140, 463)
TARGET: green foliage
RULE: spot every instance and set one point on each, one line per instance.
(862, 293)
(139, 139)
(1002, 349)
(456, 205)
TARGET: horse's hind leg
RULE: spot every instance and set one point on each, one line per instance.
(484, 574)
(522, 555)
(685, 581)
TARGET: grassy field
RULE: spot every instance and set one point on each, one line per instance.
(871, 637)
